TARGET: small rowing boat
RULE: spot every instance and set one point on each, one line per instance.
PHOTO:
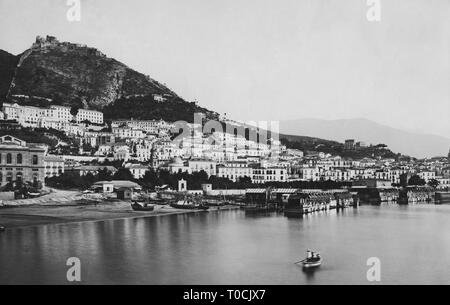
(312, 260)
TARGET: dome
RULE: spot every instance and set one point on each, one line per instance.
(177, 161)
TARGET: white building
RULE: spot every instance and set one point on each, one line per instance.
(427, 175)
(54, 166)
(197, 165)
(137, 170)
(234, 171)
(128, 133)
(89, 115)
(310, 174)
(271, 174)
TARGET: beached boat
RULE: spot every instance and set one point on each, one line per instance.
(33, 195)
(187, 204)
(312, 260)
(214, 203)
(136, 206)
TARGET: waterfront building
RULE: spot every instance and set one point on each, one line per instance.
(21, 161)
(372, 183)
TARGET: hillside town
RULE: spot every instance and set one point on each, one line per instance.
(140, 146)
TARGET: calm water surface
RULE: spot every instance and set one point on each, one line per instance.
(230, 247)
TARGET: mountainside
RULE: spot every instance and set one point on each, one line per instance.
(53, 72)
(405, 142)
(8, 63)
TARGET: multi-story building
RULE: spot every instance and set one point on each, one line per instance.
(137, 170)
(89, 115)
(54, 166)
(234, 171)
(30, 116)
(197, 165)
(271, 174)
(310, 174)
(427, 175)
(21, 161)
(128, 133)
(149, 126)
(95, 138)
(349, 144)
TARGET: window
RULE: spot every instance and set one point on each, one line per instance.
(19, 176)
(9, 177)
(8, 158)
(19, 158)
(35, 160)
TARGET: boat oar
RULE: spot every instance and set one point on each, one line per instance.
(300, 261)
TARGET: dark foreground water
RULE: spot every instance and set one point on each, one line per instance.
(229, 247)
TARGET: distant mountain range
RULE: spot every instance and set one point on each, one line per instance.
(401, 141)
(62, 73)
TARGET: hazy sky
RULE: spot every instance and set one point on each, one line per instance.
(268, 59)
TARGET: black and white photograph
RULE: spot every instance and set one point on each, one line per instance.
(224, 147)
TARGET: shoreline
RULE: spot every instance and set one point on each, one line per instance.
(41, 215)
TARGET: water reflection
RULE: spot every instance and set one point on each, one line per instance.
(232, 247)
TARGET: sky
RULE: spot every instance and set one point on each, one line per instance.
(268, 59)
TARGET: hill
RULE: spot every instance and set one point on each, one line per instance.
(406, 142)
(74, 75)
(8, 63)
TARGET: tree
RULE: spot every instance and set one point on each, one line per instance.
(150, 179)
(123, 174)
(433, 183)
(104, 174)
(416, 181)
(404, 180)
(74, 110)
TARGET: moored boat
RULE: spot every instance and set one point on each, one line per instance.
(442, 197)
(188, 204)
(214, 203)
